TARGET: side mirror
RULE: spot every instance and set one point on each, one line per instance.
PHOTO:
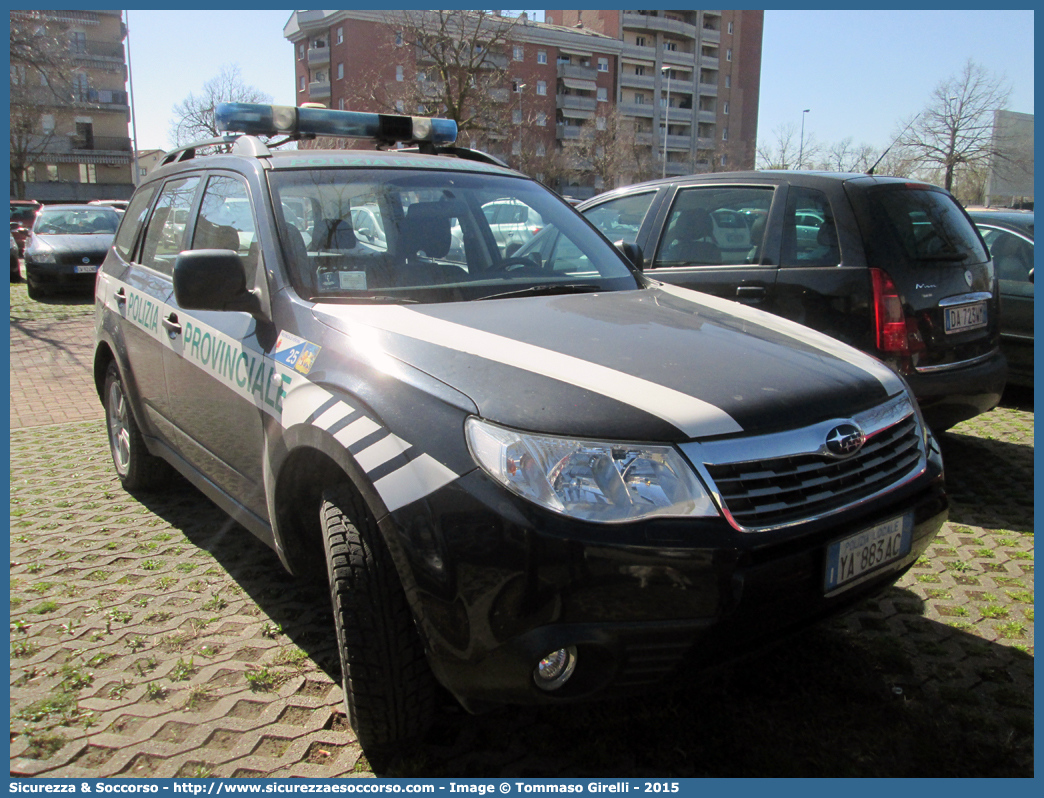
(633, 253)
(213, 279)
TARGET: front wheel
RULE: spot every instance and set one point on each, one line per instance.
(135, 466)
(389, 689)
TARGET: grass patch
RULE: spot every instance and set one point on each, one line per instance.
(44, 608)
(44, 745)
(261, 679)
(182, 671)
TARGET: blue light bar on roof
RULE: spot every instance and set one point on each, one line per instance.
(272, 120)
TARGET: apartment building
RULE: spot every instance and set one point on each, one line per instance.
(690, 79)
(69, 132)
(578, 99)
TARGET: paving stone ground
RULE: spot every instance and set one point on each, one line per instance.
(151, 636)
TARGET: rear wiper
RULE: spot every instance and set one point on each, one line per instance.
(548, 288)
(954, 256)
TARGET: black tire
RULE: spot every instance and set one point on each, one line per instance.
(389, 688)
(16, 274)
(36, 291)
(135, 466)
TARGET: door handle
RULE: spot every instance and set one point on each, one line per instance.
(121, 296)
(750, 291)
(170, 323)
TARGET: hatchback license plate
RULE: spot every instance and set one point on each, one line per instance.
(89, 269)
(965, 317)
(851, 557)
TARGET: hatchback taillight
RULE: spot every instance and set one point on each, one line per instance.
(896, 333)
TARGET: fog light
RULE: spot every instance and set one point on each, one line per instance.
(555, 669)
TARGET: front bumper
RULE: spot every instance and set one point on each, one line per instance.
(950, 396)
(60, 275)
(497, 584)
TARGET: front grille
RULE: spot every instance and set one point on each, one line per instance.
(782, 490)
(77, 260)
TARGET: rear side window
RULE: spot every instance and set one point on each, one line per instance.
(712, 226)
(920, 225)
(1012, 254)
(166, 234)
(132, 221)
(621, 219)
(809, 232)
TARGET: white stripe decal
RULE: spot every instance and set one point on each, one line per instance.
(691, 415)
(817, 340)
(338, 412)
(381, 452)
(413, 481)
(356, 431)
(303, 399)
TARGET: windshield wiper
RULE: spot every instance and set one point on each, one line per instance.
(547, 289)
(954, 256)
(368, 298)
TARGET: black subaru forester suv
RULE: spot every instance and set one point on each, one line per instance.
(529, 476)
(892, 267)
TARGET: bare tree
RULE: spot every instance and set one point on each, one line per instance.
(194, 116)
(844, 156)
(461, 71)
(783, 149)
(955, 129)
(41, 77)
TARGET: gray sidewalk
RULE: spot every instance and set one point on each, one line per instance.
(153, 637)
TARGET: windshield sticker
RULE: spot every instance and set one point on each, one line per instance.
(295, 352)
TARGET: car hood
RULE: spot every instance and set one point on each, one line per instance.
(658, 364)
(96, 244)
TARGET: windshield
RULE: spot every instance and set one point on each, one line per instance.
(76, 222)
(426, 236)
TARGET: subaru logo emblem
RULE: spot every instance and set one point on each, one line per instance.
(845, 440)
(86, 260)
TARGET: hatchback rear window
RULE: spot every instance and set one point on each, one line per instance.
(920, 225)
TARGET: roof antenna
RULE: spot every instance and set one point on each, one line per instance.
(870, 171)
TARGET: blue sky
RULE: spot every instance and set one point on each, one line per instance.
(859, 72)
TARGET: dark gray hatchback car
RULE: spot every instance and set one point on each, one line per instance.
(891, 267)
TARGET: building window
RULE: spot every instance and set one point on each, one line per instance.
(541, 119)
(340, 104)
(340, 35)
(730, 33)
(725, 158)
(516, 147)
(599, 182)
(564, 59)
(639, 70)
(599, 123)
(541, 56)
(340, 71)
(603, 64)
(301, 83)
(78, 42)
(320, 77)
(50, 172)
(603, 94)
(725, 109)
(728, 54)
(517, 53)
(639, 99)
(725, 134)
(81, 88)
(47, 124)
(540, 150)
(88, 173)
(728, 81)
(398, 38)
(516, 117)
(398, 74)
(300, 50)
(399, 107)
(670, 46)
(640, 41)
(516, 86)
(542, 87)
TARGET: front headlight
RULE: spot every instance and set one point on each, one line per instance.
(42, 256)
(590, 480)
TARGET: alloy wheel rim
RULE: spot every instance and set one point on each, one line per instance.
(119, 433)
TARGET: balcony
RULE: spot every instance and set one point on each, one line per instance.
(318, 90)
(676, 143)
(100, 144)
(677, 86)
(94, 49)
(634, 109)
(709, 89)
(577, 71)
(678, 168)
(706, 143)
(103, 97)
(576, 102)
(710, 117)
(710, 35)
(317, 56)
(646, 22)
(634, 51)
(568, 132)
(638, 81)
(677, 57)
(709, 63)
